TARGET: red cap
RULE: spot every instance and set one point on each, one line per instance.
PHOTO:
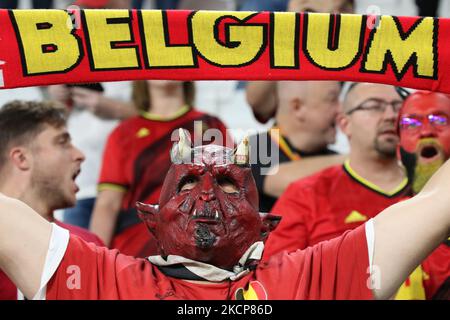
(91, 4)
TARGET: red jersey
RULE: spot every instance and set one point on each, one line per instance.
(8, 291)
(436, 270)
(335, 269)
(136, 160)
(84, 234)
(325, 205)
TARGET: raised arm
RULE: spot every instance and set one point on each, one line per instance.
(408, 232)
(262, 98)
(24, 240)
(280, 177)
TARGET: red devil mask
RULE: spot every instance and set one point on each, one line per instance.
(208, 207)
(424, 124)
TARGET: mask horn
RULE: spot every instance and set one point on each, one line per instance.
(241, 154)
(181, 150)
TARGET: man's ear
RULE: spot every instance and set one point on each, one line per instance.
(269, 223)
(148, 214)
(20, 158)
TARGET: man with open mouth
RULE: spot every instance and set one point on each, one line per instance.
(39, 166)
(424, 135)
(424, 124)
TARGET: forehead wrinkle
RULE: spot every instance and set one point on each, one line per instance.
(363, 91)
(190, 170)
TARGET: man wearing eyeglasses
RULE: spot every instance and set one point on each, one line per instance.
(424, 128)
(342, 197)
(425, 135)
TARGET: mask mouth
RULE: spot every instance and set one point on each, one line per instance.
(207, 215)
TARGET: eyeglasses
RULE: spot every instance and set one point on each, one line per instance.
(415, 122)
(377, 106)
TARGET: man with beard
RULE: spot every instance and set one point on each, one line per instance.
(38, 165)
(424, 125)
(343, 197)
(211, 235)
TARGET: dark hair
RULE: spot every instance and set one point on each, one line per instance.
(141, 94)
(21, 121)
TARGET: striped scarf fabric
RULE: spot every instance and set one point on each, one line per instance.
(42, 47)
(187, 269)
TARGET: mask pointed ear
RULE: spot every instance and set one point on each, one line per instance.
(269, 222)
(148, 214)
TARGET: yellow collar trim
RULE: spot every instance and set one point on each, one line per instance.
(156, 117)
(276, 137)
(373, 186)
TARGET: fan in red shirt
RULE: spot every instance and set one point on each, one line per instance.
(39, 166)
(208, 205)
(424, 125)
(140, 143)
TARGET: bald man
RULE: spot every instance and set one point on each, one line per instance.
(304, 127)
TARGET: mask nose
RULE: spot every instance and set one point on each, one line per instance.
(207, 188)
